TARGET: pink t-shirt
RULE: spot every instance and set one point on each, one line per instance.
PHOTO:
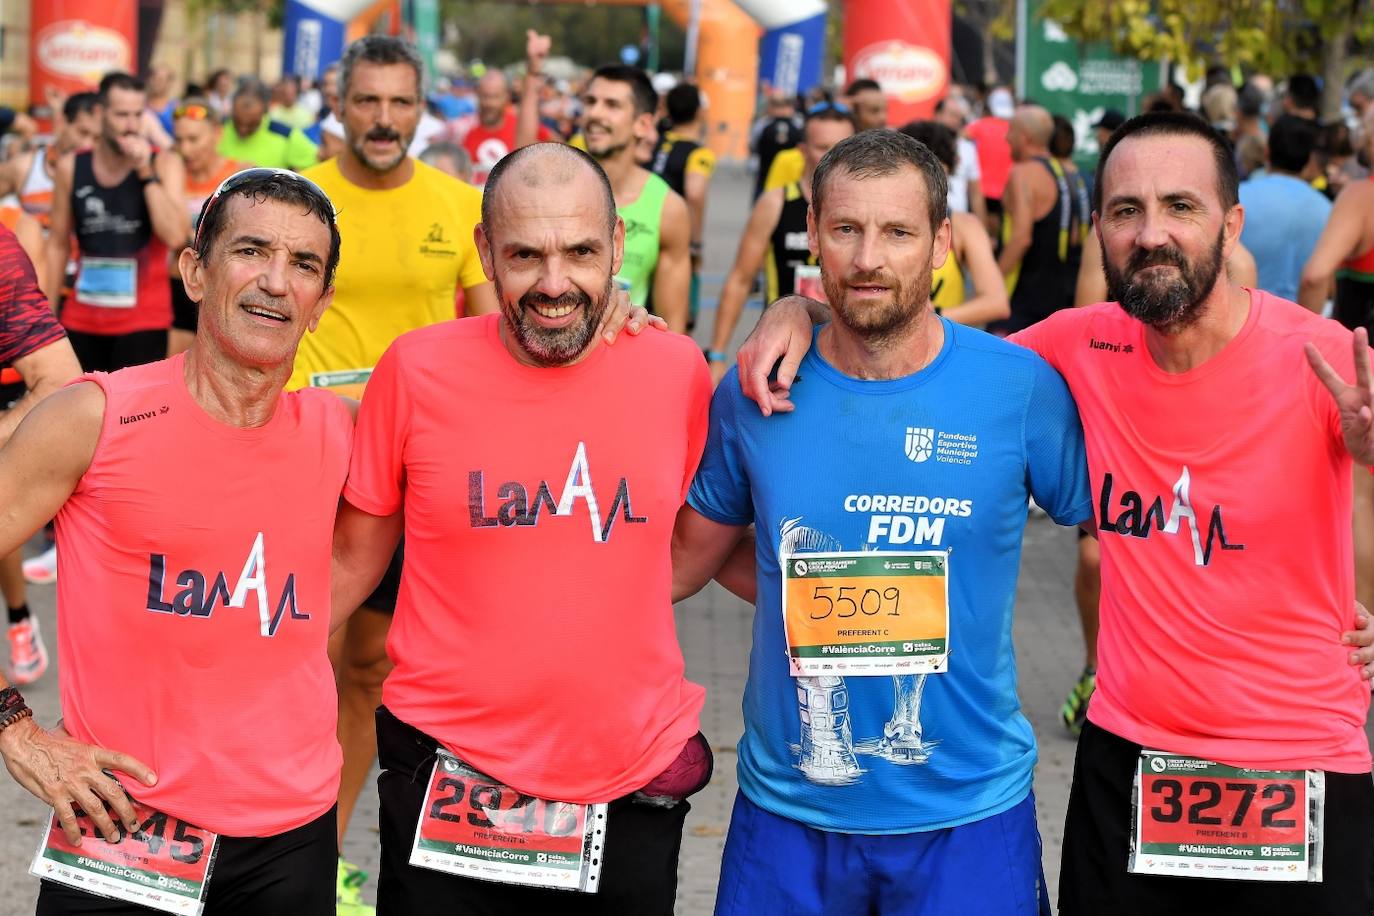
(534, 633)
(1223, 501)
(193, 605)
(989, 135)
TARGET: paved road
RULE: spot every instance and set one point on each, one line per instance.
(715, 631)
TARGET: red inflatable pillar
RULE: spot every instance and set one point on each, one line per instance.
(905, 46)
(74, 43)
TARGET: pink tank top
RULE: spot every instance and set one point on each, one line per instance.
(193, 606)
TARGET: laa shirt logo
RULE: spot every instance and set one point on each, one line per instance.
(191, 599)
(1137, 521)
(518, 508)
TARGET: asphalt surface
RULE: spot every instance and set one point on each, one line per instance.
(714, 628)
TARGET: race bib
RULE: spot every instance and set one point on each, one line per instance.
(346, 382)
(806, 281)
(108, 282)
(164, 865)
(473, 826)
(866, 613)
(1200, 819)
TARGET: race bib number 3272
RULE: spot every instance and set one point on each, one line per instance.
(164, 865)
(1202, 819)
(866, 613)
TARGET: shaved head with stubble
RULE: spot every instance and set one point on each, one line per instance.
(550, 240)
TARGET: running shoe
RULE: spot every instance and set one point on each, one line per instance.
(349, 891)
(42, 569)
(1075, 709)
(28, 655)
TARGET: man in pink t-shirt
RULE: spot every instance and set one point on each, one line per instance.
(537, 474)
(194, 613)
(1226, 737)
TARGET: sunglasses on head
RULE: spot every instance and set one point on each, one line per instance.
(194, 112)
(828, 106)
(237, 181)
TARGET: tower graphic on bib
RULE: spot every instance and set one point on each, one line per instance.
(827, 753)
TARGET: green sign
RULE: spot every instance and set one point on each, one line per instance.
(1077, 80)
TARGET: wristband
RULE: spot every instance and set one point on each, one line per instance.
(12, 707)
(715, 356)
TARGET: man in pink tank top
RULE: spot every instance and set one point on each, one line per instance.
(537, 727)
(194, 609)
(1226, 738)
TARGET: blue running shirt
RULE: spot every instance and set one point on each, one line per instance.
(940, 460)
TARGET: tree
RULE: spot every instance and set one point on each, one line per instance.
(1278, 37)
(494, 31)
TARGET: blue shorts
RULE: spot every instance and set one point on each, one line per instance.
(782, 867)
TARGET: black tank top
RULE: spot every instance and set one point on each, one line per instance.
(1049, 270)
(109, 222)
(787, 247)
(670, 162)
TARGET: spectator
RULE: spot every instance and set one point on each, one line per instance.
(966, 181)
(778, 130)
(1303, 97)
(255, 138)
(161, 99)
(287, 108)
(1219, 107)
(219, 87)
(1284, 214)
(1106, 125)
(449, 158)
(989, 135)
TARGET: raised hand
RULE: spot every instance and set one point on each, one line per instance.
(1355, 402)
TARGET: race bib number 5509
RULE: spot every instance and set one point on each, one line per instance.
(1202, 819)
(866, 613)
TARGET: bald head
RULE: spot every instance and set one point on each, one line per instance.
(1036, 123)
(493, 97)
(540, 173)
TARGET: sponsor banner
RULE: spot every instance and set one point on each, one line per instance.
(905, 47)
(1077, 80)
(73, 43)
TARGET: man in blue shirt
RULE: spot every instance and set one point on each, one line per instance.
(885, 764)
(1284, 214)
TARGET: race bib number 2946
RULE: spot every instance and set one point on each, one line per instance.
(1202, 819)
(472, 825)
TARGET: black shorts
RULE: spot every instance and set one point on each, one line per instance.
(1097, 831)
(638, 874)
(293, 872)
(1354, 303)
(383, 597)
(112, 352)
(185, 313)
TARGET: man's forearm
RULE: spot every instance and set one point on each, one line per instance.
(169, 218)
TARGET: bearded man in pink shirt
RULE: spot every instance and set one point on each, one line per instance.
(1226, 737)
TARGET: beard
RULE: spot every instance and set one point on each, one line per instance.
(610, 151)
(381, 134)
(554, 346)
(878, 321)
(1167, 304)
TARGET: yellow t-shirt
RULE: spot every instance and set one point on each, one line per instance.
(405, 253)
(787, 168)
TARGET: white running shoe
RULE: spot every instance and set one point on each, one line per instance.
(28, 655)
(42, 569)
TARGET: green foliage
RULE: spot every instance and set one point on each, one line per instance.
(494, 31)
(1279, 37)
(275, 9)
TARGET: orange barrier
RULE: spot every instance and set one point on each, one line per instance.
(727, 68)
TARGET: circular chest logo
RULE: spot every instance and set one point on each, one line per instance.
(799, 567)
(78, 49)
(908, 73)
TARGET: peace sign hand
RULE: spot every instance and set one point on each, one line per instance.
(1355, 402)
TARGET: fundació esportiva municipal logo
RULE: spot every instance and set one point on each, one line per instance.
(799, 567)
(920, 443)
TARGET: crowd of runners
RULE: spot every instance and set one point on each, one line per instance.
(366, 426)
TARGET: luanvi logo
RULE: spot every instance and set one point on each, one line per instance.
(1138, 521)
(1095, 344)
(145, 415)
